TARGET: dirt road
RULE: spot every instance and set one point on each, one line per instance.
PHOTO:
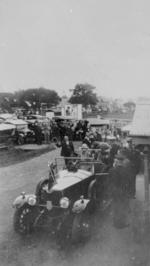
(107, 246)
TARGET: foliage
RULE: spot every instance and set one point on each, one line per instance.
(130, 105)
(83, 94)
(37, 97)
(29, 98)
(6, 101)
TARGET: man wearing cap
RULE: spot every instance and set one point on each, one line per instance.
(120, 180)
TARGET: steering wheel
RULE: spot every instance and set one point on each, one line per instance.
(73, 165)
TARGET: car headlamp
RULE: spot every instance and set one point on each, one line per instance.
(32, 200)
(64, 203)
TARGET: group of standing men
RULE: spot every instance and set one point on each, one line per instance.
(123, 174)
(123, 164)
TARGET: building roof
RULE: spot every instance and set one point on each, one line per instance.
(127, 128)
(4, 127)
(98, 121)
(141, 119)
(7, 116)
(16, 122)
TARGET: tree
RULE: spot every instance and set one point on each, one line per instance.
(36, 97)
(130, 105)
(6, 100)
(83, 94)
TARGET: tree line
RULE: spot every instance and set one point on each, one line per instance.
(36, 97)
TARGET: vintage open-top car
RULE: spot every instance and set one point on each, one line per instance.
(64, 201)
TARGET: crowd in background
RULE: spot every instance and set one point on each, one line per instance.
(76, 130)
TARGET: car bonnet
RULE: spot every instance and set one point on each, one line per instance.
(67, 179)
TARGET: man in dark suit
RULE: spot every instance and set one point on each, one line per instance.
(120, 176)
(67, 149)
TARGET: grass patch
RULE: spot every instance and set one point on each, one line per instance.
(14, 156)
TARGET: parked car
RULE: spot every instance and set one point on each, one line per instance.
(35, 118)
(22, 133)
(6, 116)
(64, 201)
(6, 135)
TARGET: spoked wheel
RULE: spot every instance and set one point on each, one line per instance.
(81, 228)
(24, 219)
(20, 140)
(41, 189)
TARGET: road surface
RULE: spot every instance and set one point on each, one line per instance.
(107, 246)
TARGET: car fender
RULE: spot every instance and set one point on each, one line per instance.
(80, 205)
(40, 184)
(23, 199)
(90, 188)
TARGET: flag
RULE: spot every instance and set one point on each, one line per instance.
(7, 99)
(28, 103)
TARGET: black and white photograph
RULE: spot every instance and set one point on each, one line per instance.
(74, 133)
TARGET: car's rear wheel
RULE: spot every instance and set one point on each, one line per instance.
(81, 227)
(24, 219)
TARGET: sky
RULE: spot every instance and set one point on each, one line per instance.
(59, 43)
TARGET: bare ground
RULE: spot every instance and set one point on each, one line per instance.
(17, 154)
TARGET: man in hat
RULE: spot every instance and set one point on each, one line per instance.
(67, 149)
(87, 140)
(120, 178)
(134, 157)
(38, 132)
(84, 151)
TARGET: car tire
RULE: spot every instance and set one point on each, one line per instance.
(10, 144)
(81, 228)
(20, 140)
(24, 219)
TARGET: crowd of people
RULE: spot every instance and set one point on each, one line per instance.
(120, 159)
(75, 130)
(113, 152)
(50, 130)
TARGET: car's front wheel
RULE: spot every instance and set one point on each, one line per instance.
(24, 219)
(20, 140)
(81, 227)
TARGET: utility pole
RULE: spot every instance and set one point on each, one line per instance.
(146, 187)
